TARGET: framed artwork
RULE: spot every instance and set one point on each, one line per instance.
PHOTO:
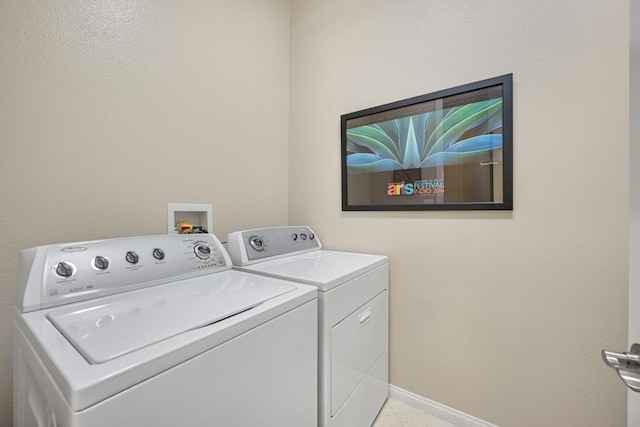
(447, 150)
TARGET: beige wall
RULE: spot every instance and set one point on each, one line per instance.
(633, 399)
(498, 314)
(111, 109)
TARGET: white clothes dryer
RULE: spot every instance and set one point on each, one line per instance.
(353, 315)
(159, 331)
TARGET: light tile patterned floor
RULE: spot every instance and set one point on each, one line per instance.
(398, 414)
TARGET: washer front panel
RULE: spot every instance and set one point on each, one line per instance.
(84, 384)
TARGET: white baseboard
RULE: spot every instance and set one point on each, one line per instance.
(453, 416)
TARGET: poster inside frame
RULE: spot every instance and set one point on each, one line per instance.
(447, 150)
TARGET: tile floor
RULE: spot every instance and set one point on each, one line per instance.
(398, 414)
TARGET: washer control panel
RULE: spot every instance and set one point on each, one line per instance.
(249, 246)
(86, 270)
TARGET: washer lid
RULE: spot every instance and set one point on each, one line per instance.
(104, 329)
(323, 269)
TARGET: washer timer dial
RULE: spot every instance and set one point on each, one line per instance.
(202, 250)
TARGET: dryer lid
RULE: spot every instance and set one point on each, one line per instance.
(322, 268)
(106, 328)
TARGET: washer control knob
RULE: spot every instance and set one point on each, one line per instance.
(158, 254)
(132, 257)
(312, 236)
(256, 243)
(64, 269)
(101, 263)
(294, 236)
(202, 251)
(303, 236)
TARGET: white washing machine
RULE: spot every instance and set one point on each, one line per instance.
(159, 331)
(353, 315)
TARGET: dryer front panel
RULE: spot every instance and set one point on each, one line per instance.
(357, 343)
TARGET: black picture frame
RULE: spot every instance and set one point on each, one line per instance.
(447, 150)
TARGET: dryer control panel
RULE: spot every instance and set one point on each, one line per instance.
(79, 271)
(250, 246)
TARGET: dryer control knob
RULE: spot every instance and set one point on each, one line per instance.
(101, 262)
(132, 257)
(256, 243)
(64, 269)
(202, 251)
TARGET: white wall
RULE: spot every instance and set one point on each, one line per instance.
(111, 109)
(498, 314)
